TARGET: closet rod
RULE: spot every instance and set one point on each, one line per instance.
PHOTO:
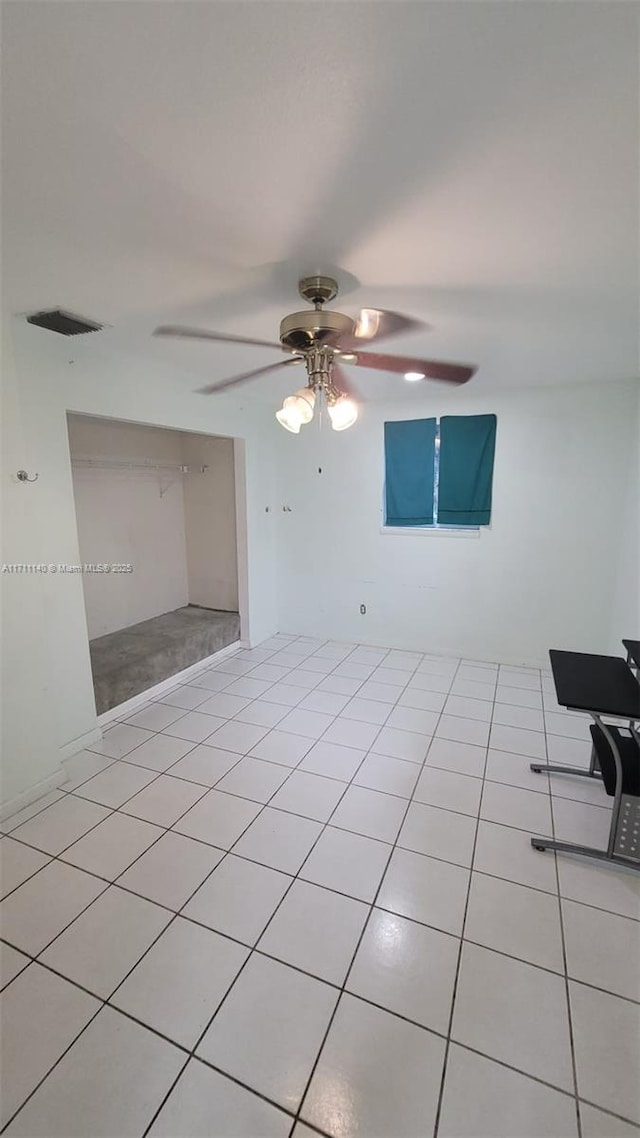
(115, 464)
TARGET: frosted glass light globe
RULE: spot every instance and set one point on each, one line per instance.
(343, 414)
(301, 403)
(289, 420)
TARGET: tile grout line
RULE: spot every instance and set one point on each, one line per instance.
(214, 786)
(333, 778)
(109, 882)
(394, 1014)
(114, 810)
(158, 774)
(454, 993)
(362, 999)
(563, 945)
(297, 967)
(58, 1060)
(108, 885)
(295, 877)
(355, 833)
(106, 1001)
(563, 942)
(422, 767)
(362, 933)
(254, 947)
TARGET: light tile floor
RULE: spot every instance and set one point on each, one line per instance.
(297, 895)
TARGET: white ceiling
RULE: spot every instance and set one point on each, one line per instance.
(474, 164)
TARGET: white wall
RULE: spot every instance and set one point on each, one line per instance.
(210, 522)
(129, 516)
(29, 745)
(548, 572)
(50, 637)
(625, 618)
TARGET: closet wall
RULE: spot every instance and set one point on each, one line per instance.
(177, 530)
(210, 522)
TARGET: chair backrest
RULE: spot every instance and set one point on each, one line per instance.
(629, 758)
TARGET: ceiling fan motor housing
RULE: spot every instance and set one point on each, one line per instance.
(304, 330)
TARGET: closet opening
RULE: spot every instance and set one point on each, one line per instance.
(159, 539)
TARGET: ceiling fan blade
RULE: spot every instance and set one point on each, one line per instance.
(343, 382)
(211, 388)
(373, 324)
(426, 369)
(221, 337)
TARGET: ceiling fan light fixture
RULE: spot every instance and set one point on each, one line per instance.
(343, 413)
(414, 376)
(289, 420)
(301, 404)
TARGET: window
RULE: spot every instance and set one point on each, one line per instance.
(439, 473)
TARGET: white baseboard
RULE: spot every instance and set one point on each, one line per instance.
(32, 794)
(79, 744)
(156, 691)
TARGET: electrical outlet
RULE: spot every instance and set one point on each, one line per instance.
(363, 609)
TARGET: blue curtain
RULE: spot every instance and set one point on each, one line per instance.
(467, 448)
(409, 451)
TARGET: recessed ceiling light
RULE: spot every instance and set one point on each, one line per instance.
(412, 376)
(347, 356)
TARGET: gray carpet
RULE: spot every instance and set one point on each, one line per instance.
(128, 662)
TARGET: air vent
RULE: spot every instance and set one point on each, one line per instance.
(55, 320)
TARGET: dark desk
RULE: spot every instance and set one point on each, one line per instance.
(603, 686)
(633, 652)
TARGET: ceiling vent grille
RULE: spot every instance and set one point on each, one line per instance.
(56, 320)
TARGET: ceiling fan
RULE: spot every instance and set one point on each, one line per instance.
(323, 340)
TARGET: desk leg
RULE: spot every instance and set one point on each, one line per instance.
(593, 770)
(588, 851)
(590, 772)
(584, 851)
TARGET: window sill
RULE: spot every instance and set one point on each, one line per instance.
(433, 531)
